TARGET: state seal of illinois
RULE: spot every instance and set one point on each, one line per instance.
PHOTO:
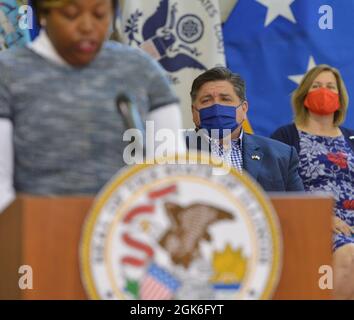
(180, 231)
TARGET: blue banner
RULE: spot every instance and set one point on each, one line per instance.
(35, 26)
(272, 43)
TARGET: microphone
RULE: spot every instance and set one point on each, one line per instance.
(130, 113)
(131, 117)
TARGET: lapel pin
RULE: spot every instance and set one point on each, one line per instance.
(256, 157)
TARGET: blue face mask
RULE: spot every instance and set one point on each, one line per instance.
(218, 118)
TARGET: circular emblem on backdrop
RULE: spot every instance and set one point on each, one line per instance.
(190, 28)
(178, 231)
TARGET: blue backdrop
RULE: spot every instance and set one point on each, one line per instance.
(267, 55)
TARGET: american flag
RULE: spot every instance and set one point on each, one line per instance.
(158, 284)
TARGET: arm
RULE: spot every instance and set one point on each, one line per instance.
(167, 118)
(7, 193)
(280, 135)
(294, 182)
(164, 111)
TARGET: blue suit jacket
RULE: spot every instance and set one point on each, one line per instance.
(277, 169)
(273, 164)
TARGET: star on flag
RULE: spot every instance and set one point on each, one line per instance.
(278, 8)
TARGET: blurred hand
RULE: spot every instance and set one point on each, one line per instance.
(340, 226)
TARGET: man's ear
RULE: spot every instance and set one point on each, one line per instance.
(245, 106)
(196, 118)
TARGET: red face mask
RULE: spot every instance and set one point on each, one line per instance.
(322, 101)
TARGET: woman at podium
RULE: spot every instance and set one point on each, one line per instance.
(326, 152)
(60, 131)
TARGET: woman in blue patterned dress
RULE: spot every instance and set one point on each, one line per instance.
(326, 152)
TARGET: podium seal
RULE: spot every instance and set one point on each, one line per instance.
(178, 231)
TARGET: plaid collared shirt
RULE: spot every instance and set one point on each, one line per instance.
(231, 155)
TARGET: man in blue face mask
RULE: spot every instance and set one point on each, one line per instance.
(219, 108)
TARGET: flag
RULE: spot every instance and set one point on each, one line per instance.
(34, 32)
(11, 35)
(184, 36)
(158, 284)
(273, 43)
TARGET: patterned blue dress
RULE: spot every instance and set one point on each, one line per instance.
(327, 164)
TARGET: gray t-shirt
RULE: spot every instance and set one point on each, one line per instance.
(68, 135)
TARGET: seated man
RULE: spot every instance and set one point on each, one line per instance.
(219, 107)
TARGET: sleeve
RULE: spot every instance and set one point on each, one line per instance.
(349, 136)
(7, 193)
(294, 180)
(160, 89)
(168, 117)
(280, 135)
(5, 99)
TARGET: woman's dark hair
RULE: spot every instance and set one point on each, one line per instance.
(40, 6)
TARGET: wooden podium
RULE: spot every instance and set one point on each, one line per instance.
(44, 233)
